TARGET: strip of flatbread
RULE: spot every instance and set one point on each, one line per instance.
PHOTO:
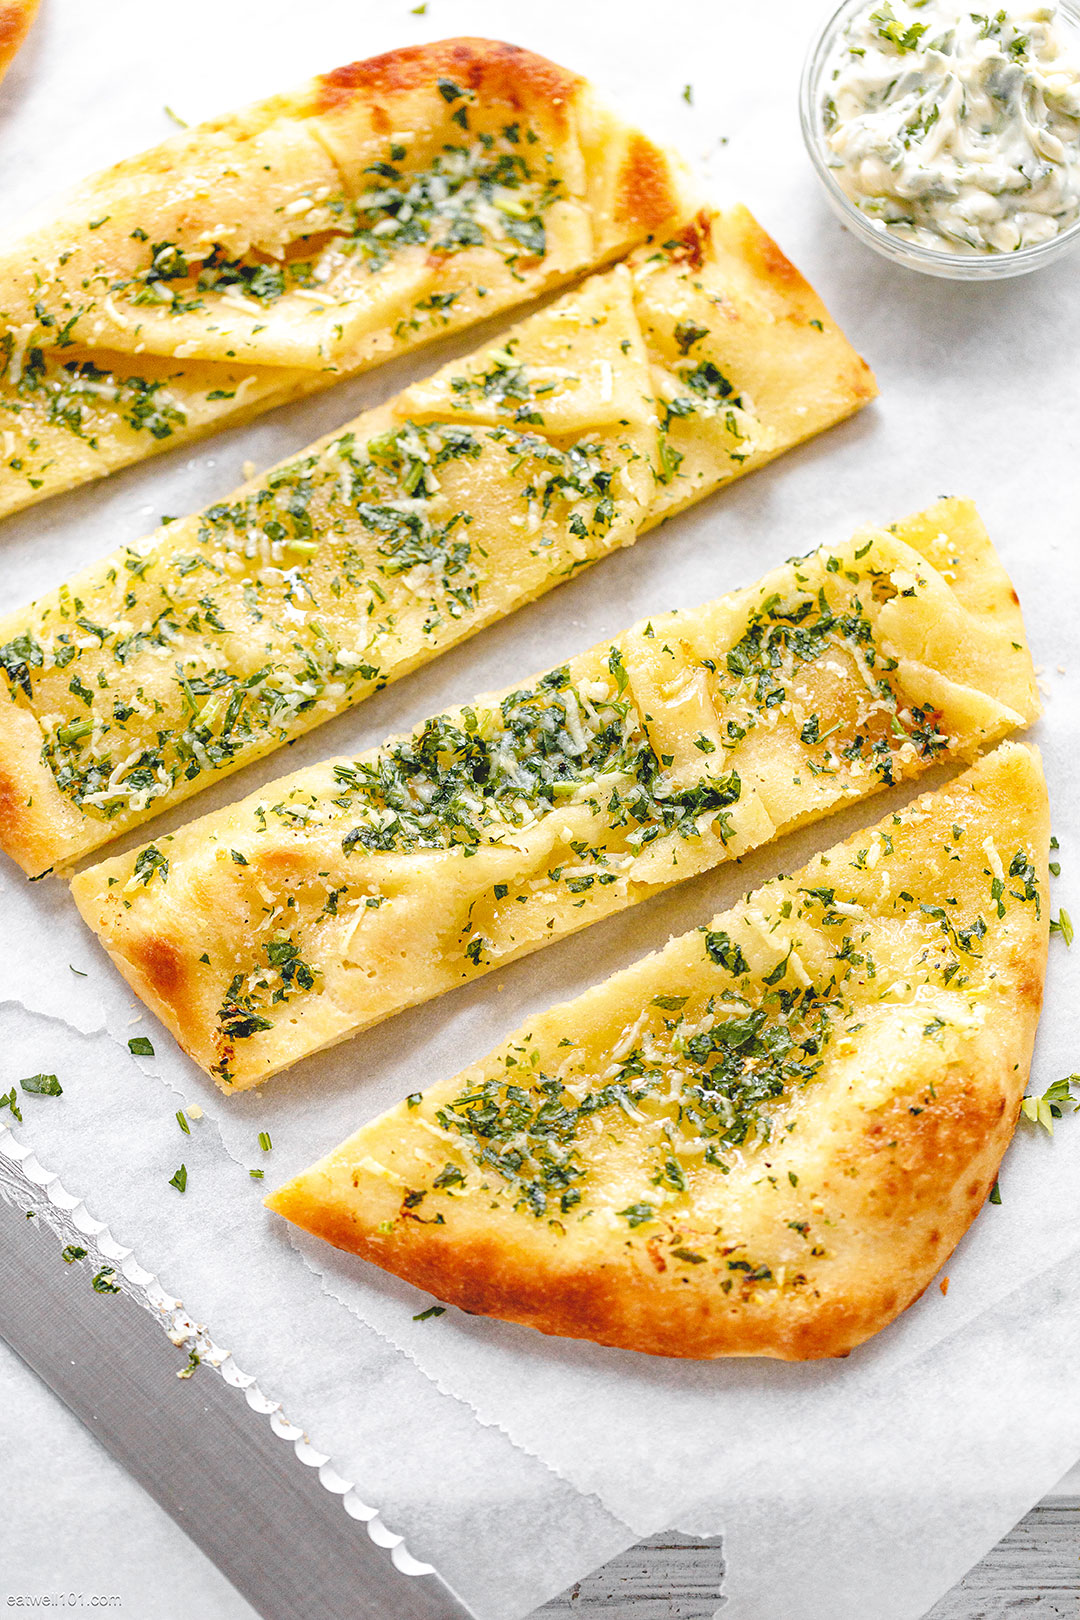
(334, 897)
(274, 251)
(15, 19)
(172, 663)
(764, 1139)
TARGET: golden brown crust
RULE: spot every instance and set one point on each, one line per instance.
(491, 68)
(930, 1180)
(15, 19)
(645, 191)
(269, 221)
(844, 1218)
(28, 835)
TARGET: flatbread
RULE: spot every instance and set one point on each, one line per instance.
(15, 19)
(336, 896)
(764, 1139)
(174, 662)
(269, 253)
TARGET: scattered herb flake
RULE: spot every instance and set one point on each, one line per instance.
(42, 1085)
(637, 1214)
(193, 1361)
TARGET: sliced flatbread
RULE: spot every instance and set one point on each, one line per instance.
(334, 897)
(15, 19)
(272, 252)
(764, 1139)
(171, 663)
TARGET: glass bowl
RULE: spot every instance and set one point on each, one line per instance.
(932, 261)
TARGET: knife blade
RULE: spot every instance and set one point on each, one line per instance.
(267, 1521)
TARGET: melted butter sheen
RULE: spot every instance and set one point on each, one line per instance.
(957, 130)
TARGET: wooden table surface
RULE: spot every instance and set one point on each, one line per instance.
(1034, 1574)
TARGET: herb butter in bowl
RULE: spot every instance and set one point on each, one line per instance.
(948, 138)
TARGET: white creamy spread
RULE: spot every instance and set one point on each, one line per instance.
(955, 129)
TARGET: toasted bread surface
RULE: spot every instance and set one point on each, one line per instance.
(271, 252)
(401, 534)
(764, 1139)
(336, 896)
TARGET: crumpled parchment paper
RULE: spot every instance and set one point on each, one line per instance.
(514, 1462)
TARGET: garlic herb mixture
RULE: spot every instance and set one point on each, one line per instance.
(957, 130)
(283, 605)
(704, 1079)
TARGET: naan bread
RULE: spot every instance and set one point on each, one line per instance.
(271, 252)
(334, 897)
(171, 663)
(764, 1139)
(15, 19)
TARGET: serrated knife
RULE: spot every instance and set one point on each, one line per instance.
(219, 1470)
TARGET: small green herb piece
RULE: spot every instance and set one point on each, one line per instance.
(637, 1214)
(141, 1046)
(181, 1120)
(179, 1180)
(256, 1175)
(688, 94)
(889, 29)
(670, 1003)
(1062, 925)
(106, 1281)
(264, 1141)
(147, 862)
(193, 1361)
(995, 1194)
(1052, 1104)
(449, 1176)
(719, 949)
(42, 1085)
(432, 1310)
(71, 1253)
(8, 1099)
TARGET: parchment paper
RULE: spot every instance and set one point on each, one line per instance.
(515, 1463)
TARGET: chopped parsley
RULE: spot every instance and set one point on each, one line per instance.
(42, 1085)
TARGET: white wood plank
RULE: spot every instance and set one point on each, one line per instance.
(1034, 1574)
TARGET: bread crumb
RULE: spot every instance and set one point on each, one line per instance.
(944, 1285)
